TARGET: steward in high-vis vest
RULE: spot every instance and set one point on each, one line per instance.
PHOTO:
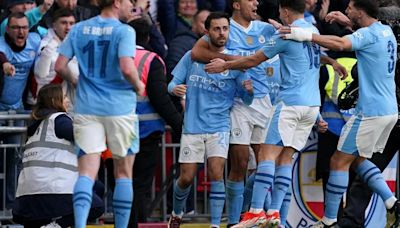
(330, 112)
(50, 165)
(149, 120)
(50, 169)
(336, 118)
(155, 109)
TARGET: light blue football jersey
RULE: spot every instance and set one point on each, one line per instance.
(376, 51)
(98, 43)
(300, 62)
(246, 41)
(209, 97)
(13, 87)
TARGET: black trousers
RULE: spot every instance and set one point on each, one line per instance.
(143, 173)
(359, 194)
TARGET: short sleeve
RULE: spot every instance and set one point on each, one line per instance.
(127, 44)
(274, 46)
(360, 39)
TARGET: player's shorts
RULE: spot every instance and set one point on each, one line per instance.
(363, 136)
(248, 122)
(290, 126)
(93, 134)
(196, 147)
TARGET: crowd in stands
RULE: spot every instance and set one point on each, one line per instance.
(31, 33)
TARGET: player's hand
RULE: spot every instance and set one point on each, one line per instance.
(139, 87)
(322, 126)
(324, 9)
(295, 33)
(180, 90)
(144, 4)
(341, 70)
(338, 17)
(215, 66)
(274, 23)
(8, 69)
(248, 86)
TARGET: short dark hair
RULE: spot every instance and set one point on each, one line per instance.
(62, 12)
(105, 3)
(142, 28)
(17, 15)
(213, 16)
(370, 7)
(298, 6)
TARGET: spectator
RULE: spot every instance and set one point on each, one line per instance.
(44, 73)
(44, 192)
(184, 40)
(34, 14)
(172, 20)
(153, 108)
(81, 13)
(19, 48)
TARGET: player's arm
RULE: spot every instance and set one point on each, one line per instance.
(177, 85)
(128, 69)
(202, 53)
(242, 63)
(335, 43)
(62, 69)
(340, 69)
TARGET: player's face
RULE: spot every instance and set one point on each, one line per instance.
(187, 8)
(218, 32)
(248, 9)
(63, 25)
(353, 14)
(67, 4)
(283, 15)
(125, 10)
(18, 30)
(310, 4)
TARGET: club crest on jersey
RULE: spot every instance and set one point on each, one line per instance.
(249, 40)
(269, 71)
(261, 39)
(186, 151)
(237, 132)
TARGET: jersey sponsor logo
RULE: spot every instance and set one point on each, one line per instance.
(270, 43)
(358, 35)
(206, 83)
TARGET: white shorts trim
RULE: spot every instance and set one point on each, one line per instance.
(196, 147)
(93, 134)
(248, 122)
(363, 136)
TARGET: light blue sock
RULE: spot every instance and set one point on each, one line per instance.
(248, 192)
(371, 175)
(82, 200)
(217, 201)
(336, 186)
(267, 202)
(122, 202)
(262, 183)
(234, 200)
(284, 211)
(180, 196)
(283, 180)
